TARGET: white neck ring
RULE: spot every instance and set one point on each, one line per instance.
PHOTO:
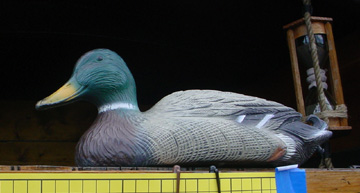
(119, 105)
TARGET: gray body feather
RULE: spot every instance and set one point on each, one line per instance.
(203, 126)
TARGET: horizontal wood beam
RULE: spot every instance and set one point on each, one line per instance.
(318, 180)
(337, 180)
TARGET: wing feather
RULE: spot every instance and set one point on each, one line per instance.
(228, 105)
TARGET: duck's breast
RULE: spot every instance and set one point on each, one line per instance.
(114, 139)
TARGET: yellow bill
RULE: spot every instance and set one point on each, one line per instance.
(62, 96)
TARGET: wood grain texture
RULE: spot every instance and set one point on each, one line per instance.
(35, 137)
(339, 180)
(318, 28)
(334, 66)
(295, 72)
(335, 80)
(37, 153)
(19, 121)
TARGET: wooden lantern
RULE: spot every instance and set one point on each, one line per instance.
(320, 25)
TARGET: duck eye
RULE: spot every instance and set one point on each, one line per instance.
(99, 58)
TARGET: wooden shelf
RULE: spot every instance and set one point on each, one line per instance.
(344, 180)
(337, 180)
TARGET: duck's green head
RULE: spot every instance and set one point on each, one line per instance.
(100, 77)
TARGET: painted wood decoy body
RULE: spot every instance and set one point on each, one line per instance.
(193, 127)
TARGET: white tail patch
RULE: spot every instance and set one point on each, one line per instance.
(264, 120)
(240, 118)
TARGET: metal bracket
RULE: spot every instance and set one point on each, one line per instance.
(213, 169)
(176, 169)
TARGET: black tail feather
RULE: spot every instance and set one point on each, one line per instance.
(307, 138)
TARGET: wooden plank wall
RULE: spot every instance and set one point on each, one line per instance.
(47, 137)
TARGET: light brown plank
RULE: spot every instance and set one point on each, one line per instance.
(37, 153)
(338, 180)
(19, 121)
(295, 72)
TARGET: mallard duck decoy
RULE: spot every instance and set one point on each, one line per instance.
(186, 127)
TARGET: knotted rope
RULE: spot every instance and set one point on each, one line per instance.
(314, 55)
(340, 111)
(315, 59)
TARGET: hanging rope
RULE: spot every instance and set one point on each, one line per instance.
(326, 161)
(341, 110)
(315, 59)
